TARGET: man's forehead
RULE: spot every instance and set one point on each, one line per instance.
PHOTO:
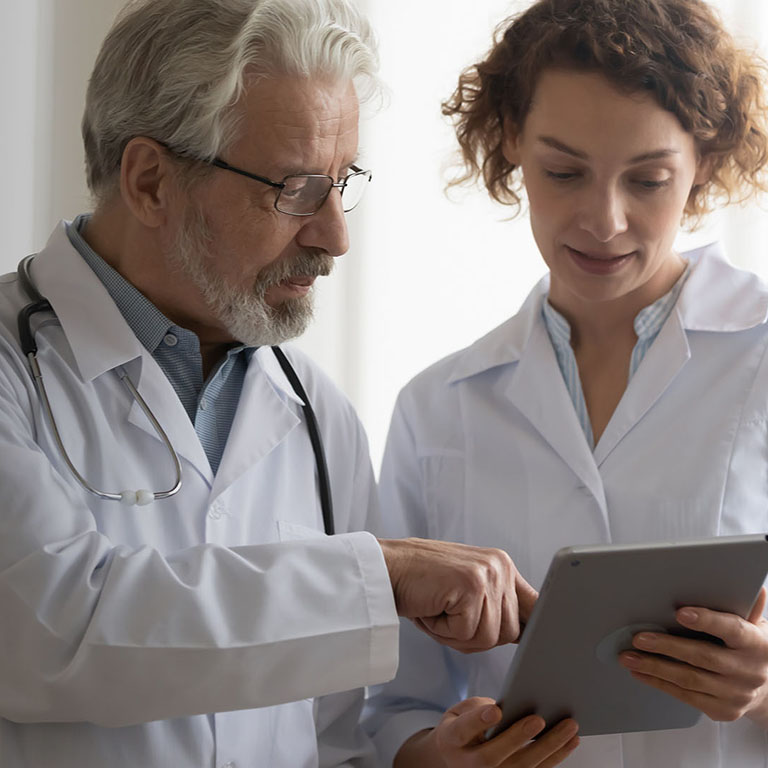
(301, 102)
(300, 115)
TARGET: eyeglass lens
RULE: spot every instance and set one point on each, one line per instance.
(303, 195)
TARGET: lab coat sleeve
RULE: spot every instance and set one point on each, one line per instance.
(341, 739)
(115, 636)
(429, 678)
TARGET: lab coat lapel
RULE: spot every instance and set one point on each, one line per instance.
(263, 419)
(661, 364)
(160, 396)
(101, 340)
(538, 391)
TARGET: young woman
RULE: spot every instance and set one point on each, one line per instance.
(627, 400)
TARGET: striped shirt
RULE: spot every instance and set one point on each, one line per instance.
(210, 404)
(648, 323)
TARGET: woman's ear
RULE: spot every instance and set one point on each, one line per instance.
(704, 168)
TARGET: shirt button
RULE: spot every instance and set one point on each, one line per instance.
(203, 405)
(228, 765)
(170, 340)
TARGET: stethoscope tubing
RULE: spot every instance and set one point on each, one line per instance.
(29, 348)
(142, 497)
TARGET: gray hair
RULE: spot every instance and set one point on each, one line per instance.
(173, 70)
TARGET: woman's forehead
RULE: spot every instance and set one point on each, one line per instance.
(588, 113)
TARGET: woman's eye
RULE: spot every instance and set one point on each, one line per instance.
(561, 175)
(652, 183)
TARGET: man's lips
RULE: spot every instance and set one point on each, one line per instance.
(298, 285)
(302, 281)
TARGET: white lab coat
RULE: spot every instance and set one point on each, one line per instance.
(226, 597)
(485, 448)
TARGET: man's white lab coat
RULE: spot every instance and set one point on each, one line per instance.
(227, 596)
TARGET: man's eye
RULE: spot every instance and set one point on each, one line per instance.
(294, 186)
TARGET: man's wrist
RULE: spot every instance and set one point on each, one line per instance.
(397, 552)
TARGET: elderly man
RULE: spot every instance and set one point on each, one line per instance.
(202, 617)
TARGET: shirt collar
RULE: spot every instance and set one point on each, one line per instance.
(148, 323)
(715, 296)
(647, 322)
(77, 294)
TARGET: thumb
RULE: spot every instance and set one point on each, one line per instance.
(526, 598)
(757, 610)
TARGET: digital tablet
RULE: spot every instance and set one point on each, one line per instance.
(593, 601)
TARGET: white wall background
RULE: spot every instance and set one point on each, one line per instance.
(425, 276)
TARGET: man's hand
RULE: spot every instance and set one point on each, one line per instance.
(725, 683)
(470, 598)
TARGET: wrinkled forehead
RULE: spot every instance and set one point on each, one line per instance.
(300, 120)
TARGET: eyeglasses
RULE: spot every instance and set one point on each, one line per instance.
(302, 194)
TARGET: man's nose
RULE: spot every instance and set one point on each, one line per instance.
(327, 229)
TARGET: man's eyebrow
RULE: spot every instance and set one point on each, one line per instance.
(658, 154)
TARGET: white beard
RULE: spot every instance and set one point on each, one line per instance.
(243, 312)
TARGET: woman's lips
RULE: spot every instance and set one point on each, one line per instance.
(599, 264)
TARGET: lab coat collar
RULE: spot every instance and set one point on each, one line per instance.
(271, 367)
(78, 297)
(505, 343)
(717, 296)
(262, 402)
(101, 340)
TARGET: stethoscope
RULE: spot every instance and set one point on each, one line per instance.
(143, 497)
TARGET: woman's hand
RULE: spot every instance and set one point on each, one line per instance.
(458, 741)
(725, 683)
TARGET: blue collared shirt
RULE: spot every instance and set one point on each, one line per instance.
(210, 404)
(648, 323)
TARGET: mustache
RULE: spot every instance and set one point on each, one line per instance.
(309, 262)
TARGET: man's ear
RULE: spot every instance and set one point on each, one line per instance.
(146, 180)
(510, 144)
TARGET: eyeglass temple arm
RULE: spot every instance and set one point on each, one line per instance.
(227, 167)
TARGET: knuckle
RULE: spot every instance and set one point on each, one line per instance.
(728, 715)
(745, 701)
(709, 658)
(688, 679)
(476, 576)
(740, 634)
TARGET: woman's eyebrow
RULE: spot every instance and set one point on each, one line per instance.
(657, 154)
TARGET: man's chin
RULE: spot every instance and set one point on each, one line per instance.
(282, 322)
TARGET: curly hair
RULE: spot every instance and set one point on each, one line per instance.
(678, 50)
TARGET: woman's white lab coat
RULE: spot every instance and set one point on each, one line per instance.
(485, 447)
(226, 597)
